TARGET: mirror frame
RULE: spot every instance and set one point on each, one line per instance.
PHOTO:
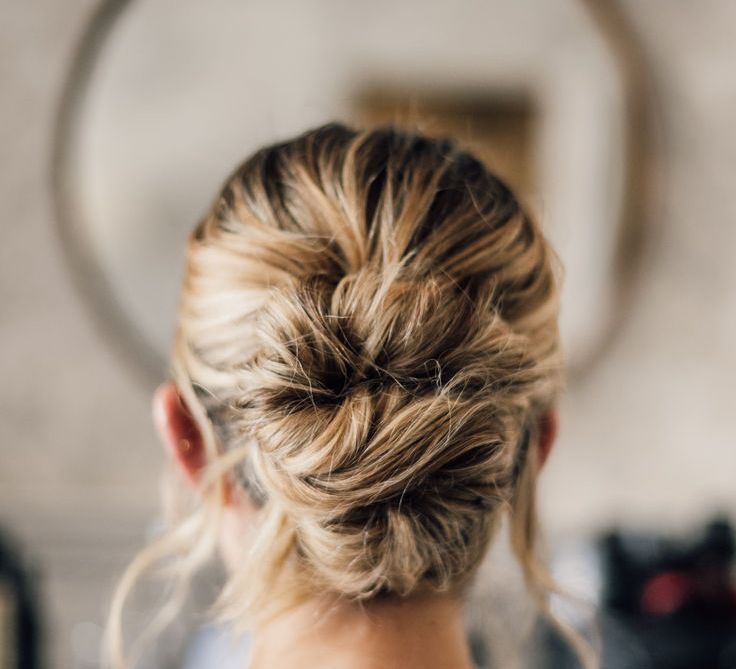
(640, 200)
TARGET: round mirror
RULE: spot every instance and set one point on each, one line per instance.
(166, 98)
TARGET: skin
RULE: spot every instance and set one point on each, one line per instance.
(424, 632)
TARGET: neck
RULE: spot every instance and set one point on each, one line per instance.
(423, 631)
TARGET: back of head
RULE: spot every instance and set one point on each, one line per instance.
(369, 318)
(367, 342)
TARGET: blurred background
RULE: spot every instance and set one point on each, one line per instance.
(612, 118)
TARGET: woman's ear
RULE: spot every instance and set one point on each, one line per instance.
(178, 431)
(548, 426)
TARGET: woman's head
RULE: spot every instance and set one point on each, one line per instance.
(367, 343)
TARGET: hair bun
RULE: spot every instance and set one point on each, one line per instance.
(367, 325)
(375, 405)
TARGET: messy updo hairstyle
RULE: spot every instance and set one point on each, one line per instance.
(367, 337)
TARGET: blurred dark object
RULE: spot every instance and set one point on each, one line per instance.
(665, 603)
(679, 598)
(20, 621)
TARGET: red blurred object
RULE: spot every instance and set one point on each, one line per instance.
(666, 593)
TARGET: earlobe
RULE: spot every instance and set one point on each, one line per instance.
(178, 431)
(548, 427)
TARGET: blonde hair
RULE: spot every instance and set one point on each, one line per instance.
(367, 337)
